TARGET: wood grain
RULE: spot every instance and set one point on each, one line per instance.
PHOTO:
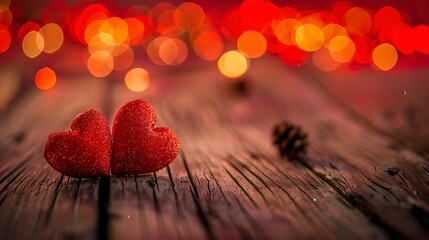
(35, 200)
(393, 101)
(229, 191)
(228, 182)
(356, 160)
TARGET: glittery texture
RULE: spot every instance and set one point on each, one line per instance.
(138, 146)
(85, 151)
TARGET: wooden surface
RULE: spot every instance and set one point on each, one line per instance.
(228, 182)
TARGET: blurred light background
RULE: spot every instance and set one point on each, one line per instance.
(113, 35)
(364, 52)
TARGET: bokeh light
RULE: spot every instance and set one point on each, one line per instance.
(83, 18)
(92, 31)
(208, 45)
(387, 19)
(6, 17)
(118, 49)
(252, 44)
(26, 28)
(114, 35)
(384, 56)
(358, 21)
(136, 30)
(173, 51)
(231, 24)
(162, 15)
(113, 31)
(123, 60)
(233, 64)
(5, 39)
(45, 78)
(364, 46)
(189, 16)
(323, 60)
(339, 10)
(422, 38)
(332, 30)
(285, 30)
(152, 50)
(4, 5)
(53, 37)
(403, 38)
(342, 49)
(100, 64)
(137, 79)
(258, 14)
(33, 44)
(309, 37)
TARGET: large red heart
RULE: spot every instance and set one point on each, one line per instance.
(138, 147)
(85, 151)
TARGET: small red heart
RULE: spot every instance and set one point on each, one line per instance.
(85, 151)
(138, 147)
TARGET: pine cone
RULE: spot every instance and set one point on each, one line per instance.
(289, 139)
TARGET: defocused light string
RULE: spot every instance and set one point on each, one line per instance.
(115, 36)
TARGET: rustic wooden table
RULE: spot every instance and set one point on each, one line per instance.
(228, 182)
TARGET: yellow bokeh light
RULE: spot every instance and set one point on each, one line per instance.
(96, 44)
(137, 79)
(92, 30)
(384, 56)
(342, 49)
(100, 64)
(53, 36)
(33, 44)
(332, 30)
(252, 44)
(114, 31)
(285, 30)
(309, 37)
(119, 49)
(233, 64)
(45, 78)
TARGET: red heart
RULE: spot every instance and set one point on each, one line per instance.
(83, 152)
(138, 147)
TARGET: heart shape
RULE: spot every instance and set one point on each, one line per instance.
(85, 151)
(139, 147)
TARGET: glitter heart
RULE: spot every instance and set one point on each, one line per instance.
(85, 151)
(138, 147)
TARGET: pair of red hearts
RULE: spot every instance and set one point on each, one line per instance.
(137, 147)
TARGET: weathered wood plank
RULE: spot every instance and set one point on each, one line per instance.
(229, 175)
(394, 101)
(33, 196)
(350, 156)
(228, 182)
